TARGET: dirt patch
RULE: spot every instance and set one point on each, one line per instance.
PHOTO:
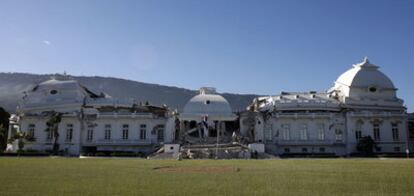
(218, 169)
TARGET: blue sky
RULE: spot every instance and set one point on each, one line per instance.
(261, 47)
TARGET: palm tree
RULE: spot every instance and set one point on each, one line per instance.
(53, 129)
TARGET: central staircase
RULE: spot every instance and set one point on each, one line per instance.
(211, 151)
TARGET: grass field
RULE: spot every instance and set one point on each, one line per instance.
(71, 176)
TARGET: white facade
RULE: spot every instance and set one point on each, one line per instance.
(363, 102)
(90, 122)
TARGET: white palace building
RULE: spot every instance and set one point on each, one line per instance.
(363, 102)
(90, 122)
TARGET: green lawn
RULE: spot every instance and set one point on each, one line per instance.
(71, 176)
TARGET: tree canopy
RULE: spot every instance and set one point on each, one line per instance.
(4, 125)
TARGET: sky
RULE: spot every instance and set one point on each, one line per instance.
(238, 46)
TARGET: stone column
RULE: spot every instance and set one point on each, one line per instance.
(9, 131)
(199, 131)
(206, 131)
(223, 127)
(182, 130)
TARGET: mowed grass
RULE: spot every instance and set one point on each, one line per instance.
(71, 176)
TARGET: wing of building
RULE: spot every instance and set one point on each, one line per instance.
(362, 102)
(90, 121)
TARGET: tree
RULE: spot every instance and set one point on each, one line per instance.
(4, 125)
(52, 127)
(366, 145)
(21, 138)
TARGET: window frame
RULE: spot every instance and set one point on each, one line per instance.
(31, 128)
(395, 132)
(69, 132)
(376, 131)
(303, 132)
(285, 131)
(321, 131)
(107, 132)
(125, 131)
(90, 131)
(358, 131)
(143, 132)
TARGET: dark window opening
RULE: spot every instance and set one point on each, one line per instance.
(397, 149)
(53, 92)
(411, 130)
(321, 149)
(372, 89)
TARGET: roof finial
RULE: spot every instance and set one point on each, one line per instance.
(365, 64)
(365, 60)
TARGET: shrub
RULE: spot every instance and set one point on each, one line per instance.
(101, 154)
(366, 145)
(124, 154)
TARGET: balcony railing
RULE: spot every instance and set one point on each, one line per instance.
(121, 142)
(307, 142)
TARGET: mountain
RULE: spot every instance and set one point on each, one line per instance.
(12, 86)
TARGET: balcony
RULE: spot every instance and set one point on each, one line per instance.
(304, 115)
(121, 142)
(307, 142)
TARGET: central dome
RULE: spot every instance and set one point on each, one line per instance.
(366, 75)
(364, 82)
(208, 103)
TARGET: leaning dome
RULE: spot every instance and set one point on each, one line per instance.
(365, 74)
(54, 94)
(208, 103)
(53, 83)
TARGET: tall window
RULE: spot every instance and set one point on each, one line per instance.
(268, 131)
(107, 132)
(338, 135)
(143, 132)
(395, 134)
(31, 130)
(321, 131)
(376, 131)
(69, 132)
(125, 129)
(90, 133)
(286, 131)
(358, 131)
(411, 129)
(303, 129)
(160, 133)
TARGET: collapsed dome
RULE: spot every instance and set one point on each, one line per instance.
(208, 103)
(54, 85)
(54, 92)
